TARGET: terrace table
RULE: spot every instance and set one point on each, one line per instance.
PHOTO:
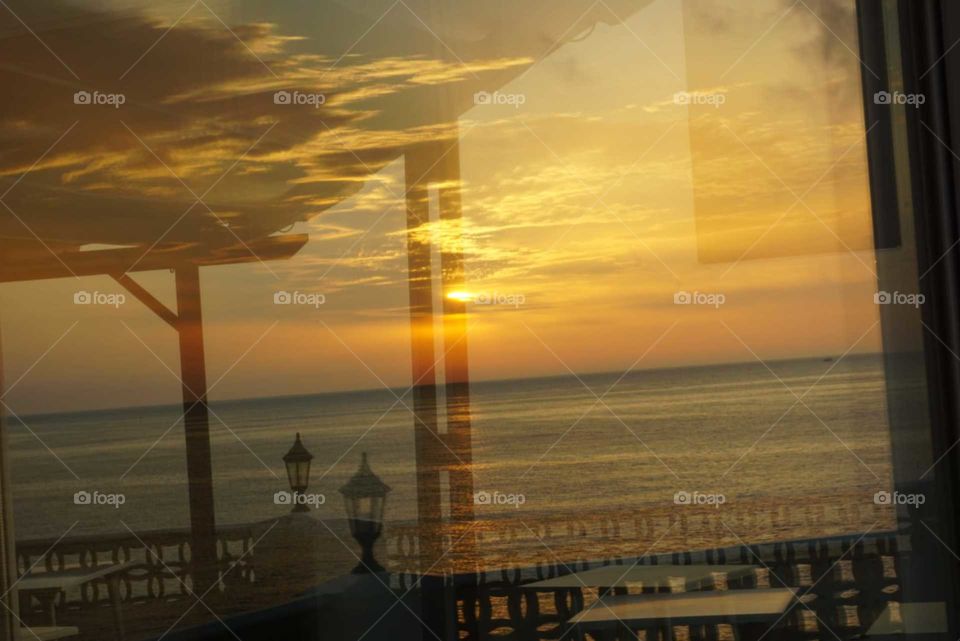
(45, 586)
(910, 618)
(754, 611)
(611, 576)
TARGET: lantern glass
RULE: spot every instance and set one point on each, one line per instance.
(298, 474)
(364, 498)
(297, 462)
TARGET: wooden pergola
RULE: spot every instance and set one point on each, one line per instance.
(432, 170)
(187, 321)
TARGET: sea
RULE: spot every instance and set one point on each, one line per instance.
(730, 439)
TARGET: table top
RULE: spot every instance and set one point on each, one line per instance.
(63, 579)
(724, 606)
(911, 618)
(649, 575)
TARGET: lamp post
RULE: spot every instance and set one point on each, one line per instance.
(365, 496)
(297, 461)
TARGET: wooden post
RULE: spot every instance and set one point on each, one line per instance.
(440, 454)
(203, 542)
(420, 282)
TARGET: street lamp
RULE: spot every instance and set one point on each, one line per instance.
(297, 461)
(365, 496)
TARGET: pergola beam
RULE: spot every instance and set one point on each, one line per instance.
(43, 264)
(148, 299)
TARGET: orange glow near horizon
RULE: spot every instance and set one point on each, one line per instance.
(587, 208)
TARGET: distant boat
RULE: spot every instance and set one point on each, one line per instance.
(828, 359)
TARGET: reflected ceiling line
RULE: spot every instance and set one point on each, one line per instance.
(40, 40)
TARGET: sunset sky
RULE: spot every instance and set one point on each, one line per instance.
(594, 201)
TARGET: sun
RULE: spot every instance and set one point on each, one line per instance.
(463, 297)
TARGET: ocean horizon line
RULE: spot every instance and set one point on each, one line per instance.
(405, 389)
